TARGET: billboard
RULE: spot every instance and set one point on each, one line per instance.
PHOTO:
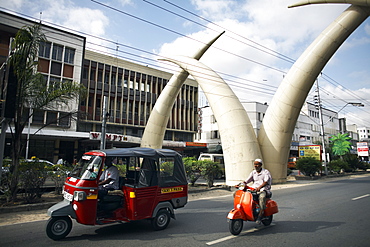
(310, 151)
(362, 149)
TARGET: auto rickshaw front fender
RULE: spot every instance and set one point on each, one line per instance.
(63, 208)
(162, 205)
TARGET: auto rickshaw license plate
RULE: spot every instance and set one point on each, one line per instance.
(67, 196)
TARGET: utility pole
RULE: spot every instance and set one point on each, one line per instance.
(322, 132)
(104, 123)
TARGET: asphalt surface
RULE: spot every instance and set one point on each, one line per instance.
(37, 212)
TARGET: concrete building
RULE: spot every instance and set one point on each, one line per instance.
(307, 130)
(364, 133)
(60, 59)
(131, 89)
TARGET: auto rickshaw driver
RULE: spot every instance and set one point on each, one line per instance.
(109, 179)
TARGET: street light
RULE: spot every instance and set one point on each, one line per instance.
(322, 125)
(349, 103)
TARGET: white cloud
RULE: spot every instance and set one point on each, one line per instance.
(126, 2)
(15, 4)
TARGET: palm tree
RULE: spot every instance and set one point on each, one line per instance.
(341, 144)
(32, 90)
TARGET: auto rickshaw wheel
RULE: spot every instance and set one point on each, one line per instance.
(58, 227)
(235, 226)
(161, 220)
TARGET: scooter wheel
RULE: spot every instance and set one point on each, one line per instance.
(266, 221)
(235, 226)
(58, 227)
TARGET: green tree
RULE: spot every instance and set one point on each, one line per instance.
(340, 144)
(33, 90)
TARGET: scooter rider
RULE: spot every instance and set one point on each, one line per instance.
(261, 179)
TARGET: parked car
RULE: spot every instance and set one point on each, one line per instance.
(218, 158)
(7, 162)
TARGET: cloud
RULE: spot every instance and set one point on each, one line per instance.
(266, 25)
(126, 2)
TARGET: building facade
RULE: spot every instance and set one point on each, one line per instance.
(131, 90)
(307, 130)
(60, 59)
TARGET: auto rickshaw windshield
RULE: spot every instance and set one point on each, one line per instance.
(88, 167)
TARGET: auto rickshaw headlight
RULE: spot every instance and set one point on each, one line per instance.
(79, 196)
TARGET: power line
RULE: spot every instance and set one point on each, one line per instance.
(282, 56)
(141, 50)
(183, 35)
(275, 54)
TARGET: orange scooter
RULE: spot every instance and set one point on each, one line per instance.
(246, 208)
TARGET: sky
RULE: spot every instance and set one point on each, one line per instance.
(262, 40)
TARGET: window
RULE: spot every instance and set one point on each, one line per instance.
(64, 119)
(54, 81)
(69, 55)
(100, 75)
(85, 72)
(44, 49)
(213, 119)
(57, 52)
(38, 117)
(56, 68)
(166, 166)
(214, 134)
(68, 71)
(51, 118)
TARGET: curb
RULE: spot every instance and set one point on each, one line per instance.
(26, 207)
(46, 205)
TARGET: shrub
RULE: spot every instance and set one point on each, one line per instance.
(209, 170)
(308, 165)
(58, 174)
(121, 169)
(354, 162)
(337, 166)
(192, 169)
(32, 176)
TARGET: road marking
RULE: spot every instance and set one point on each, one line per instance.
(360, 197)
(255, 229)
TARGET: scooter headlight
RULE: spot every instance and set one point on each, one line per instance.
(241, 186)
(79, 196)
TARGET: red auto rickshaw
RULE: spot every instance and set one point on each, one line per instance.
(152, 184)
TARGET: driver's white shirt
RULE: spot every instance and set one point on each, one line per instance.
(111, 172)
(259, 178)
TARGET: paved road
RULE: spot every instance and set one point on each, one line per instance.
(325, 213)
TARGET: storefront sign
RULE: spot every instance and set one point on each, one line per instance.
(108, 137)
(196, 144)
(362, 149)
(310, 151)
